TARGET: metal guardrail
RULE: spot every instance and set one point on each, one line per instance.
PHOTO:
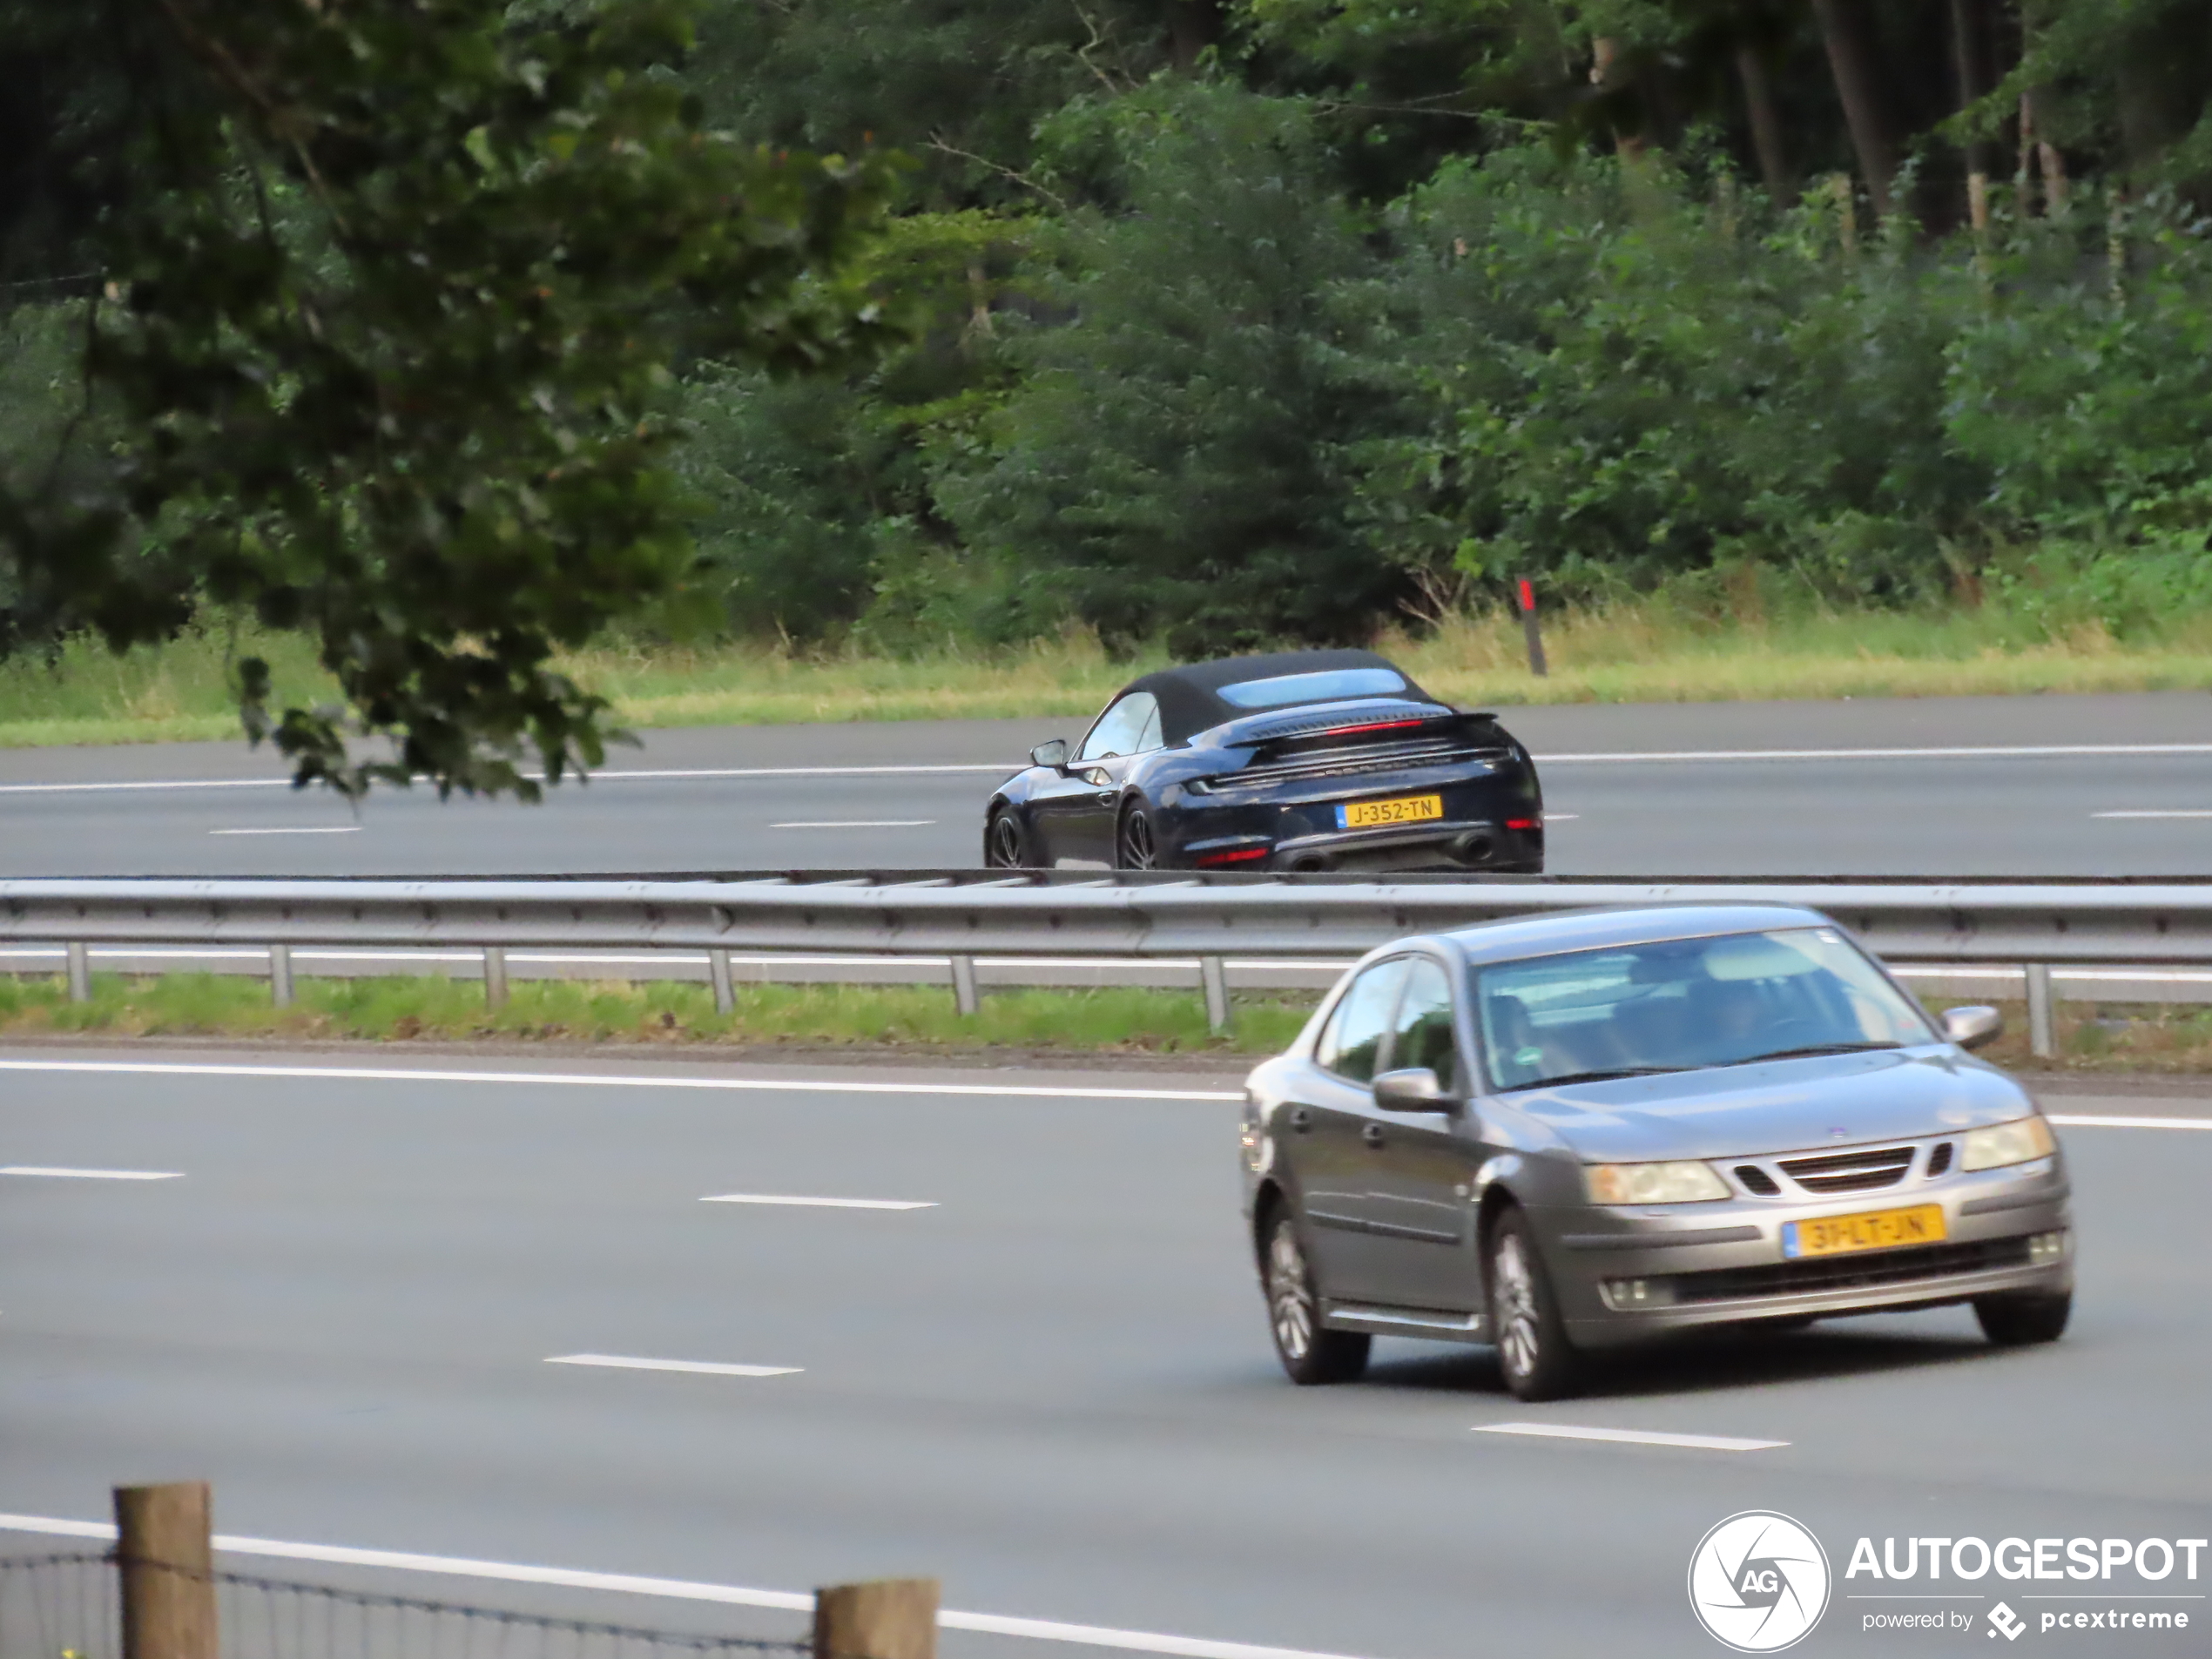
(960, 914)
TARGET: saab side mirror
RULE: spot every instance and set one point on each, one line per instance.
(1052, 754)
(1973, 1027)
(1414, 1089)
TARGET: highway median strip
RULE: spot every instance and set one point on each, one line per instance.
(892, 1019)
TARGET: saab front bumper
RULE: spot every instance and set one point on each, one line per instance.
(1622, 1274)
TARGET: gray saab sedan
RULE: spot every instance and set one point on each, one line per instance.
(1568, 1133)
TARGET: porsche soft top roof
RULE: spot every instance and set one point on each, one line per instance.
(1190, 699)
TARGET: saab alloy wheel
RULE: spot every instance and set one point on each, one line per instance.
(1134, 848)
(1533, 1349)
(1310, 1354)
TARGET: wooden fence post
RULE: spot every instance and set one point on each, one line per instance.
(886, 1618)
(166, 1558)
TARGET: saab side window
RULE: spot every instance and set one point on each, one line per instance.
(1353, 1042)
(1425, 1034)
(1131, 727)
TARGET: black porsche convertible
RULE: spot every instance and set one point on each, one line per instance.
(1301, 760)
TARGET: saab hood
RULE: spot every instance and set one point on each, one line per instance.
(1823, 1103)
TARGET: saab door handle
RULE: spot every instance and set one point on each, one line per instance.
(1301, 1121)
(1372, 1134)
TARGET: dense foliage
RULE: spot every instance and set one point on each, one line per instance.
(1231, 321)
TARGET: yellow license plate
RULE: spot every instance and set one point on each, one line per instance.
(1368, 814)
(1871, 1229)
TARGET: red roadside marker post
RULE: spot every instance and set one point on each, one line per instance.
(1529, 628)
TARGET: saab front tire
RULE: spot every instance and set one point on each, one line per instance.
(2016, 1318)
(1534, 1352)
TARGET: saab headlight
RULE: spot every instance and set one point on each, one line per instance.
(2018, 1142)
(1684, 1183)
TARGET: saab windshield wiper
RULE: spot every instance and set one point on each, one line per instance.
(1811, 1048)
(1593, 1077)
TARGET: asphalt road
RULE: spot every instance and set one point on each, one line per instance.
(1936, 786)
(1054, 1388)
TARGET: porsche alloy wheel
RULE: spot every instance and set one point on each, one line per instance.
(1005, 847)
(1134, 848)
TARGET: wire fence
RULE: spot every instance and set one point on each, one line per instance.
(68, 1607)
(56, 1605)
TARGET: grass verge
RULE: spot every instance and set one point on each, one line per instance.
(1656, 651)
(2094, 1037)
(894, 1018)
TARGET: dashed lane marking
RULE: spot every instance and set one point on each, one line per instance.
(1630, 1437)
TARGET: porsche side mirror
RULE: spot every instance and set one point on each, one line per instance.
(1052, 754)
(1414, 1089)
(1973, 1027)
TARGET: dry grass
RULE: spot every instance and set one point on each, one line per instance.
(1646, 653)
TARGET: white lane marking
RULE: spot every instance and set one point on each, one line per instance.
(861, 823)
(337, 829)
(2026, 752)
(1560, 817)
(2085, 1120)
(804, 1086)
(1093, 1635)
(702, 1367)
(1630, 1436)
(819, 1204)
(92, 1175)
(2172, 812)
(97, 785)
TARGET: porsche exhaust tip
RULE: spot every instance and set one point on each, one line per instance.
(1472, 848)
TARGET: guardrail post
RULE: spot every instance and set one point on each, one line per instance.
(80, 971)
(166, 1559)
(281, 976)
(1215, 978)
(495, 976)
(965, 996)
(889, 1618)
(2042, 1035)
(725, 994)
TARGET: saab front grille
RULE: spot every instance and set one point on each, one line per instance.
(1850, 1171)
(1349, 762)
(1939, 1160)
(1758, 1180)
(1850, 1272)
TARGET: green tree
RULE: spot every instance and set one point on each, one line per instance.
(387, 323)
(1175, 452)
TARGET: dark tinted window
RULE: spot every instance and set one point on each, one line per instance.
(1423, 1024)
(1353, 1042)
(1131, 727)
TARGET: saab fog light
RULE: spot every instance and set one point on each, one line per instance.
(2018, 1142)
(2043, 1249)
(1684, 1183)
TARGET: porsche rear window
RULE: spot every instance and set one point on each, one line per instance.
(1324, 687)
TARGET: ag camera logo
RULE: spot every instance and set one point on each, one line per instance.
(1758, 1581)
